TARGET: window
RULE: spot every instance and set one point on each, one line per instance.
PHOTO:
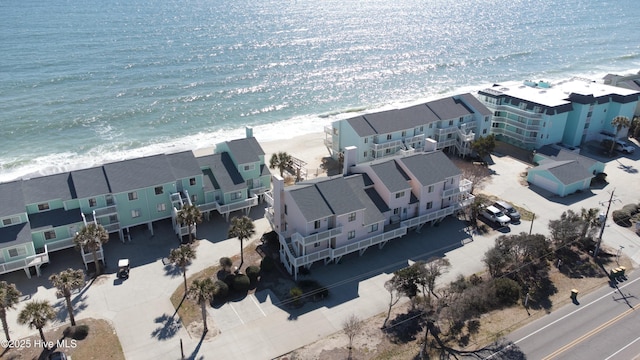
(316, 244)
(42, 207)
(249, 167)
(364, 154)
(449, 136)
(236, 195)
(194, 198)
(285, 209)
(387, 151)
(17, 252)
(351, 235)
(133, 196)
(366, 140)
(162, 207)
(430, 189)
(192, 181)
(451, 181)
(352, 217)
(486, 119)
(399, 194)
(93, 202)
(484, 131)
(461, 119)
(374, 227)
(316, 224)
(135, 213)
(431, 126)
(429, 205)
(6, 222)
(421, 128)
(404, 133)
(396, 211)
(159, 190)
(49, 235)
(450, 122)
(388, 136)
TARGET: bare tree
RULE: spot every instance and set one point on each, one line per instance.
(351, 327)
(394, 297)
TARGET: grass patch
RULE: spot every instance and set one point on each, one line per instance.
(188, 310)
(100, 341)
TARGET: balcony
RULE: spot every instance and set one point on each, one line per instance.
(436, 215)
(464, 186)
(106, 211)
(25, 263)
(224, 209)
(258, 191)
(446, 143)
(514, 135)
(446, 131)
(311, 239)
(518, 111)
(330, 254)
(268, 197)
(387, 145)
(521, 125)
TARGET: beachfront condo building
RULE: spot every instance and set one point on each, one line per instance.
(534, 114)
(371, 204)
(41, 215)
(453, 122)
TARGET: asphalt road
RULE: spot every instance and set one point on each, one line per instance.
(602, 325)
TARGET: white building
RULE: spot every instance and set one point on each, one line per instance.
(453, 122)
(533, 114)
(372, 203)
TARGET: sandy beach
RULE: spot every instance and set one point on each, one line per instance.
(309, 148)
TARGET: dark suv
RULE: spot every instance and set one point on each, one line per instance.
(508, 210)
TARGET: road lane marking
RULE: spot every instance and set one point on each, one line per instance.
(590, 333)
(621, 350)
(562, 318)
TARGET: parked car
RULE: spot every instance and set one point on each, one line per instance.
(493, 214)
(624, 147)
(508, 210)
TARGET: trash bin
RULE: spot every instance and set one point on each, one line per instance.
(614, 273)
(574, 294)
(622, 270)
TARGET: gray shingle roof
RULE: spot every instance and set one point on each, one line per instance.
(54, 218)
(11, 199)
(386, 122)
(430, 168)
(46, 188)
(310, 202)
(563, 154)
(567, 171)
(339, 196)
(90, 182)
(184, 165)
(393, 178)
(475, 104)
(449, 108)
(139, 173)
(226, 175)
(246, 150)
(15, 235)
(374, 205)
(361, 126)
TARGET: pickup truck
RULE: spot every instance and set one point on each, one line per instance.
(492, 213)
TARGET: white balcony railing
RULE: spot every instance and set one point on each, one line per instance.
(435, 215)
(258, 190)
(32, 260)
(106, 211)
(223, 209)
(464, 186)
(387, 145)
(311, 239)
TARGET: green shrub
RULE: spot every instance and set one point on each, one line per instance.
(507, 291)
(241, 283)
(229, 279)
(78, 332)
(632, 209)
(226, 263)
(621, 217)
(296, 293)
(253, 272)
(220, 290)
(267, 264)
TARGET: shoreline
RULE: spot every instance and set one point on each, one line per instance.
(306, 147)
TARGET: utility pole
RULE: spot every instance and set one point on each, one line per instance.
(531, 228)
(604, 222)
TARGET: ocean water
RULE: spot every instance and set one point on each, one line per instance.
(87, 82)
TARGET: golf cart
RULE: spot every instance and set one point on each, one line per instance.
(123, 268)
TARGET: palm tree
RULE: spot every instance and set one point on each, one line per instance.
(619, 122)
(181, 257)
(190, 215)
(282, 161)
(66, 281)
(92, 237)
(242, 228)
(590, 220)
(36, 314)
(9, 298)
(202, 292)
